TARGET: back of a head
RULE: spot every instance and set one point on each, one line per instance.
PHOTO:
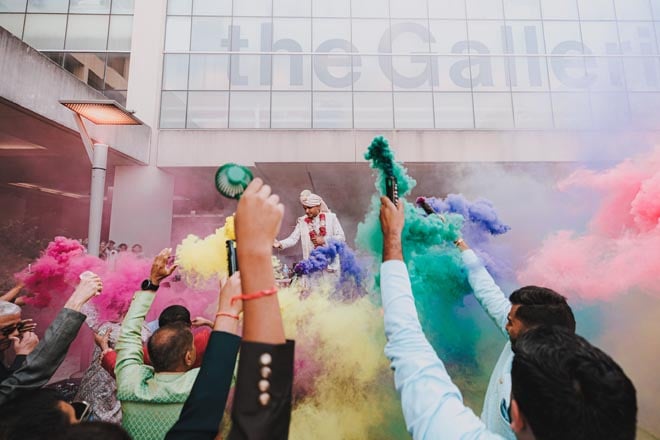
(96, 431)
(567, 389)
(9, 308)
(542, 306)
(33, 415)
(173, 314)
(168, 346)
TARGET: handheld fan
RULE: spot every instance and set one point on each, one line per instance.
(232, 179)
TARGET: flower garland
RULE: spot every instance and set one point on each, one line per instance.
(312, 232)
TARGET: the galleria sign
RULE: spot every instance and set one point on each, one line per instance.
(570, 62)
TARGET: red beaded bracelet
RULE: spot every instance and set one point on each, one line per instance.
(228, 315)
(255, 295)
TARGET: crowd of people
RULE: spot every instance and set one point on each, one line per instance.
(161, 381)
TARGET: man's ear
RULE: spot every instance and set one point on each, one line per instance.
(518, 421)
(190, 357)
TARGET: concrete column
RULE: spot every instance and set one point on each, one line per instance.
(96, 195)
(142, 204)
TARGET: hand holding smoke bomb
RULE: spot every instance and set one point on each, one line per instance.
(392, 189)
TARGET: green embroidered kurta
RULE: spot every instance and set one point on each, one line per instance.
(151, 402)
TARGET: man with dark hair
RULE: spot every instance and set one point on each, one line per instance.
(563, 387)
(152, 398)
(174, 313)
(36, 415)
(526, 308)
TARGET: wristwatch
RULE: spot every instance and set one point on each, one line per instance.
(148, 285)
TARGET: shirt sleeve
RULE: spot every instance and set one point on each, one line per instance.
(489, 295)
(130, 360)
(292, 239)
(337, 231)
(432, 405)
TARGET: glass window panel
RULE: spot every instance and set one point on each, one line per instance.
(568, 73)
(453, 110)
(490, 73)
(372, 73)
(12, 5)
(413, 72)
(451, 74)
(258, 8)
(484, 9)
(330, 29)
(333, 110)
(370, 9)
(449, 36)
(492, 110)
(645, 109)
(370, 35)
(117, 95)
(562, 37)
(209, 72)
(212, 7)
(177, 35)
(447, 9)
(175, 72)
(642, 74)
(633, 9)
(292, 35)
(413, 110)
(486, 37)
(292, 72)
(255, 34)
(179, 7)
(372, 110)
(637, 38)
(121, 28)
(87, 32)
(45, 32)
(408, 9)
(559, 9)
(528, 74)
(606, 73)
(291, 110)
(208, 109)
(334, 8)
(13, 23)
(292, 8)
(600, 37)
(56, 6)
(116, 71)
(89, 7)
(211, 33)
(532, 110)
(596, 9)
(522, 9)
(525, 37)
(123, 6)
(410, 36)
(249, 110)
(332, 72)
(173, 109)
(609, 109)
(571, 110)
(87, 67)
(250, 72)
(56, 57)
(655, 4)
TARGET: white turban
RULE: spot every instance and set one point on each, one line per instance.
(309, 200)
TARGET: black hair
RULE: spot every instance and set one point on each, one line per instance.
(542, 306)
(168, 346)
(567, 389)
(96, 431)
(33, 415)
(172, 314)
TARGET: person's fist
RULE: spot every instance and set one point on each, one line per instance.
(392, 217)
(26, 343)
(258, 218)
(89, 287)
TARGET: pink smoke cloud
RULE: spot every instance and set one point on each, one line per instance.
(620, 250)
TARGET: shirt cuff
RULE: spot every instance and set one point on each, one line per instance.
(470, 259)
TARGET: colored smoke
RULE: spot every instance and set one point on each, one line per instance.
(321, 257)
(382, 160)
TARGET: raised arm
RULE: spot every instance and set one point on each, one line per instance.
(262, 407)
(432, 405)
(489, 295)
(291, 240)
(42, 362)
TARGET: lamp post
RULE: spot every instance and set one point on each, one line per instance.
(100, 112)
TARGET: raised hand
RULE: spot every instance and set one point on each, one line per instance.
(89, 287)
(161, 269)
(26, 343)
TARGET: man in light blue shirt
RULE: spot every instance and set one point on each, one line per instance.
(551, 396)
